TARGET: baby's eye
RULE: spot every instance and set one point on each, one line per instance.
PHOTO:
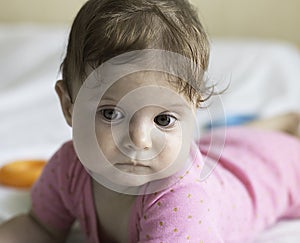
(165, 121)
(111, 114)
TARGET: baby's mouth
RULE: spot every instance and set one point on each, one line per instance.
(133, 167)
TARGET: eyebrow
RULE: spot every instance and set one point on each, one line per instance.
(174, 105)
(108, 99)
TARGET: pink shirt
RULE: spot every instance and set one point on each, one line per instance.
(255, 183)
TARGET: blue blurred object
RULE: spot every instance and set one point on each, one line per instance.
(232, 120)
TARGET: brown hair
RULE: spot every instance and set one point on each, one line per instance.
(106, 28)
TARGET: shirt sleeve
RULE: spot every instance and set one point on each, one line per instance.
(183, 214)
(50, 201)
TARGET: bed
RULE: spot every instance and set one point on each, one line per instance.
(263, 78)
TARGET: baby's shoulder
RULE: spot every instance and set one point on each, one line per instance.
(184, 201)
(66, 152)
(65, 167)
(65, 157)
(186, 189)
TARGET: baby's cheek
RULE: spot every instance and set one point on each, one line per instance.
(171, 152)
(106, 143)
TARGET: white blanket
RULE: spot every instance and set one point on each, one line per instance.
(263, 77)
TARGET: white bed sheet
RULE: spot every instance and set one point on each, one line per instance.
(263, 76)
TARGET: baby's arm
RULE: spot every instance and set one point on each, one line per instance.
(49, 220)
(27, 229)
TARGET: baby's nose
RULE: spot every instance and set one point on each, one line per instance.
(140, 133)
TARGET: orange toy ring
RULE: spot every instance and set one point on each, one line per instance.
(21, 173)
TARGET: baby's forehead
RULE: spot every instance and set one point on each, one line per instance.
(145, 87)
(145, 79)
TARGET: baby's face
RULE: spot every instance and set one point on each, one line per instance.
(144, 126)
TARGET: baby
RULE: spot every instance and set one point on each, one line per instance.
(132, 80)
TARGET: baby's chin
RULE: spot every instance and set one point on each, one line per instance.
(133, 179)
(120, 180)
(130, 182)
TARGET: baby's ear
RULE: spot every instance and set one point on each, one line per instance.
(65, 101)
